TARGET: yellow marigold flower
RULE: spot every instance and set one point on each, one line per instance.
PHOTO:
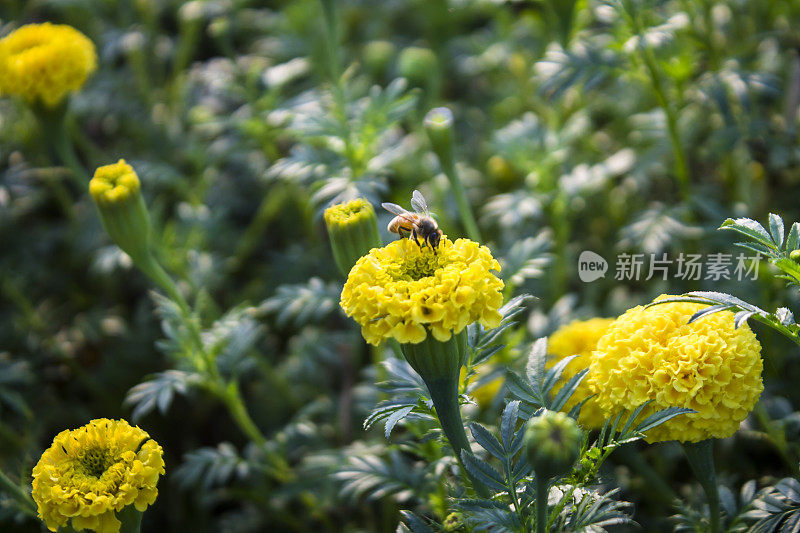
(579, 338)
(654, 354)
(43, 62)
(91, 473)
(114, 183)
(353, 230)
(404, 291)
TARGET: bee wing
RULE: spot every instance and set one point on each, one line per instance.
(418, 202)
(395, 209)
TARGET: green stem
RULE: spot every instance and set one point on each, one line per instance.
(159, 276)
(464, 209)
(52, 122)
(329, 9)
(512, 491)
(701, 459)
(541, 504)
(657, 83)
(235, 404)
(23, 498)
(560, 216)
(232, 398)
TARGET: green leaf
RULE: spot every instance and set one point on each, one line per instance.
(414, 523)
(483, 471)
(487, 441)
(568, 390)
(535, 367)
(658, 418)
(793, 240)
(394, 418)
(159, 391)
(750, 228)
(508, 423)
(522, 391)
(776, 228)
(554, 374)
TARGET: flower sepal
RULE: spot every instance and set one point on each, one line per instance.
(353, 230)
(439, 365)
(131, 519)
(116, 191)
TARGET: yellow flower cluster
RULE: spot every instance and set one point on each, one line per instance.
(43, 62)
(90, 473)
(114, 183)
(403, 291)
(654, 354)
(350, 213)
(579, 338)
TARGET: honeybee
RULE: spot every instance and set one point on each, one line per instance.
(419, 224)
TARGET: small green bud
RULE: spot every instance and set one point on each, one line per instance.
(552, 444)
(795, 256)
(418, 65)
(353, 230)
(454, 523)
(377, 55)
(439, 127)
(116, 192)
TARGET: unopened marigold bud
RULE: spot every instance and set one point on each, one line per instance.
(795, 256)
(353, 230)
(377, 55)
(439, 127)
(418, 65)
(116, 191)
(552, 444)
(454, 523)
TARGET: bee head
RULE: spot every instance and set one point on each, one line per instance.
(434, 238)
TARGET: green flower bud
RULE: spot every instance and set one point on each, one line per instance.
(117, 195)
(418, 65)
(552, 444)
(439, 127)
(454, 523)
(795, 256)
(353, 230)
(377, 55)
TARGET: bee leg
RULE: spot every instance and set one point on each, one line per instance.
(414, 234)
(431, 244)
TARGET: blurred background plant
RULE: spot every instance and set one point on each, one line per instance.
(629, 126)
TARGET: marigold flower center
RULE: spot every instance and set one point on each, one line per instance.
(414, 268)
(95, 462)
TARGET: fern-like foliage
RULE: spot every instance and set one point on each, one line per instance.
(534, 391)
(588, 510)
(372, 477)
(408, 397)
(159, 391)
(213, 467)
(776, 508)
(301, 304)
